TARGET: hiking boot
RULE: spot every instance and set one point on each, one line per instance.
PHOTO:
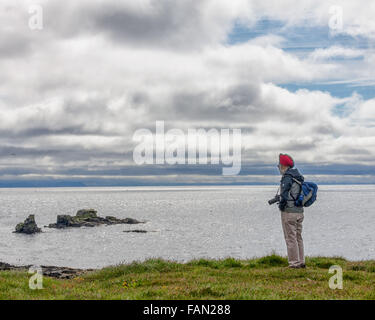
(301, 266)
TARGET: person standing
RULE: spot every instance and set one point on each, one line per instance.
(291, 215)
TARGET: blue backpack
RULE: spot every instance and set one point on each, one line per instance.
(307, 194)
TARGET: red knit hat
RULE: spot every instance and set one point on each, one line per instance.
(286, 160)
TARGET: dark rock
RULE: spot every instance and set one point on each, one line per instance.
(28, 226)
(86, 213)
(62, 272)
(88, 224)
(49, 271)
(113, 220)
(136, 231)
(64, 219)
(130, 221)
(110, 218)
(88, 218)
(6, 266)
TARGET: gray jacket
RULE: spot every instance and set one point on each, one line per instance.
(290, 190)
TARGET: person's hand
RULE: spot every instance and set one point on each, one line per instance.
(281, 206)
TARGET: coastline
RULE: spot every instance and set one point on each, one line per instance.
(48, 271)
(156, 279)
(61, 272)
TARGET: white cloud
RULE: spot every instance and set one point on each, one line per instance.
(335, 51)
(72, 94)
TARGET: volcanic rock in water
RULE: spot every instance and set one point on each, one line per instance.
(28, 226)
(86, 213)
(88, 218)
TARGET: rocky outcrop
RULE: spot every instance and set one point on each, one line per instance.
(63, 272)
(49, 271)
(88, 218)
(28, 226)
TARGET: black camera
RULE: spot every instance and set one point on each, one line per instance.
(274, 200)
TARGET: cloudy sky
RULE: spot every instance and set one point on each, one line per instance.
(286, 72)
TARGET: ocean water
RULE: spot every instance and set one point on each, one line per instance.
(187, 223)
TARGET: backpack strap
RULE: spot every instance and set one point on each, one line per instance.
(295, 180)
(300, 188)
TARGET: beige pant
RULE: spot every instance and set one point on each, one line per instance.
(292, 227)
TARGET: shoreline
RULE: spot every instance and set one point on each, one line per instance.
(61, 272)
(49, 271)
(228, 279)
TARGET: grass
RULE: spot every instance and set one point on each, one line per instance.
(263, 278)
